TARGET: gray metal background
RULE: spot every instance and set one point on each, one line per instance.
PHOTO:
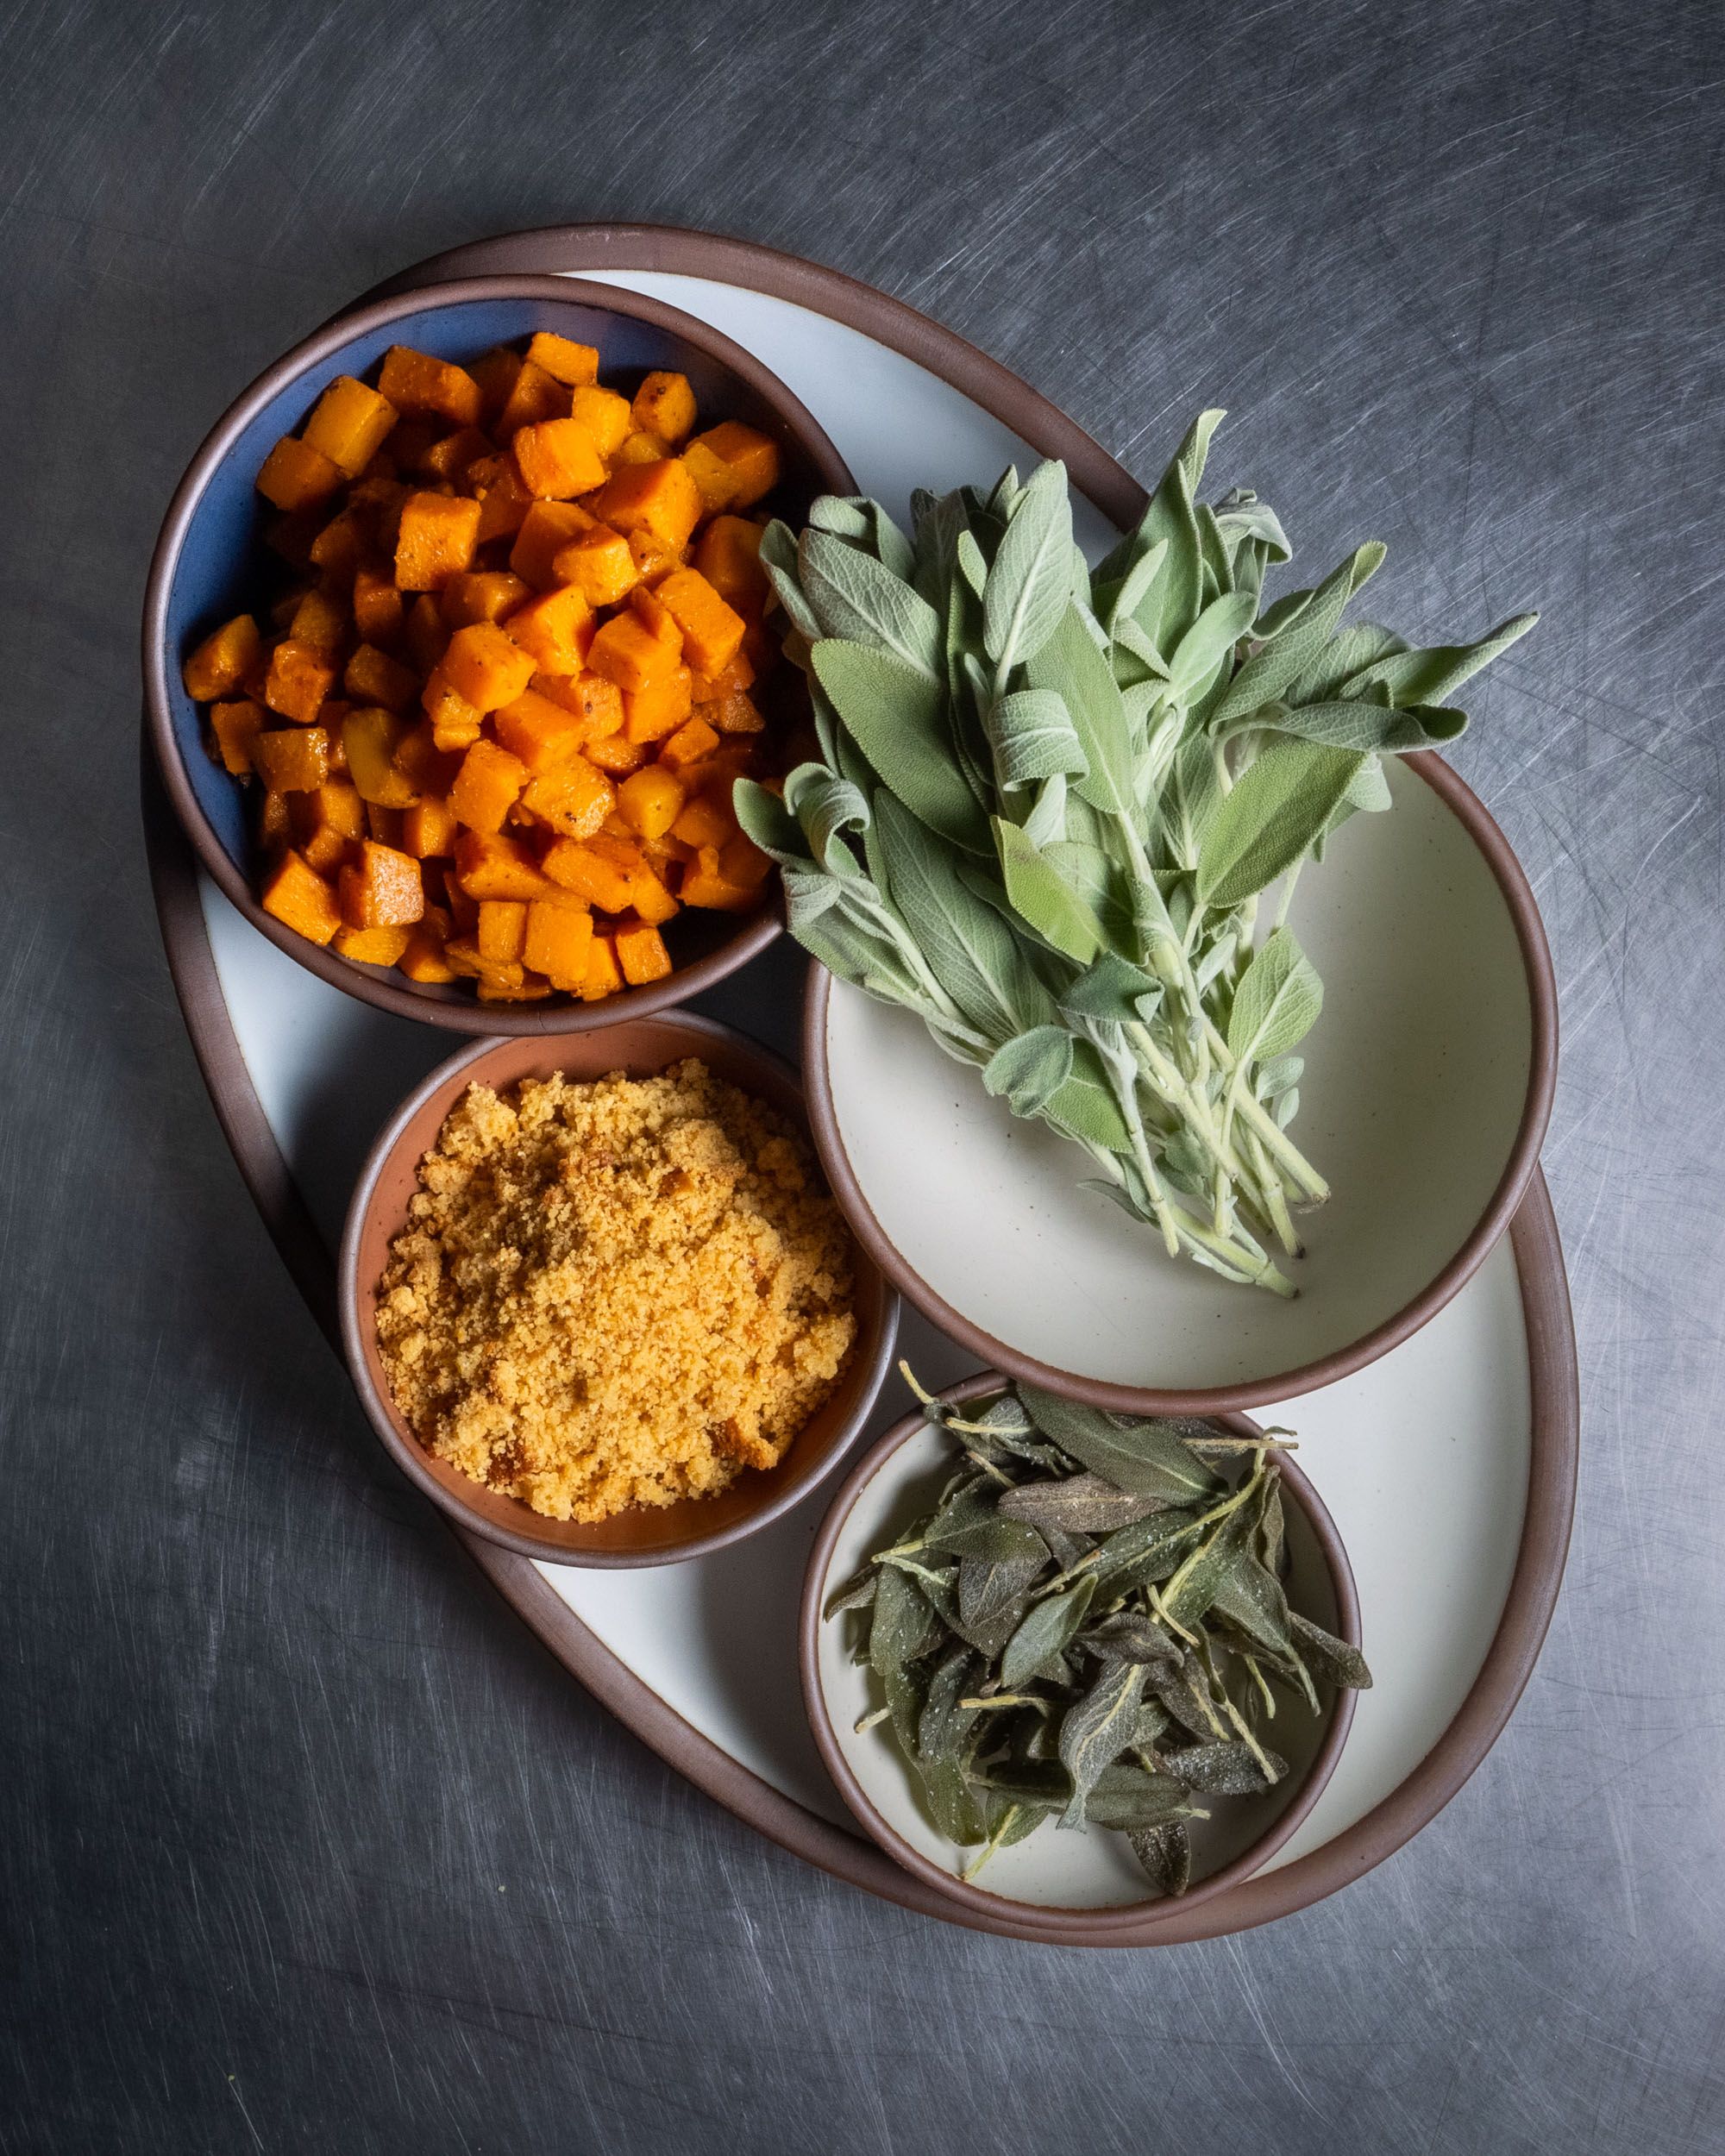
(304, 1843)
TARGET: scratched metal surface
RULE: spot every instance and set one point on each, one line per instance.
(304, 1843)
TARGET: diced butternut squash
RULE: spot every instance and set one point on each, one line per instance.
(735, 715)
(325, 823)
(318, 621)
(641, 953)
(437, 539)
(617, 753)
(665, 406)
(425, 635)
(300, 677)
(579, 867)
(751, 458)
(222, 663)
(558, 459)
(728, 555)
(495, 372)
(741, 861)
(661, 498)
(645, 603)
(236, 727)
(455, 723)
(300, 899)
(660, 708)
(502, 932)
(693, 740)
(573, 797)
(293, 760)
(487, 786)
(534, 396)
(297, 476)
(703, 822)
(712, 628)
(540, 732)
(650, 801)
(598, 561)
(604, 976)
(484, 666)
(423, 960)
(504, 501)
(373, 677)
(554, 630)
(273, 823)
(382, 889)
(349, 424)
(705, 885)
(378, 607)
(650, 898)
(370, 738)
(546, 530)
(415, 382)
(428, 829)
(563, 358)
(494, 866)
(625, 651)
(604, 414)
(373, 946)
(426, 768)
(482, 595)
(596, 702)
(557, 942)
(450, 458)
(510, 984)
(640, 447)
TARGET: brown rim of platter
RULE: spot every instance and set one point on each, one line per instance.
(457, 1011)
(1552, 1377)
(1074, 1926)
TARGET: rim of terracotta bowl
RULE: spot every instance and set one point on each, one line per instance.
(1061, 1925)
(1150, 1399)
(642, 1047)
(458, 1012)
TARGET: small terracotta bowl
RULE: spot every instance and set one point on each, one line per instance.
(206, 569)
(1077, 1888)
(645, 1535)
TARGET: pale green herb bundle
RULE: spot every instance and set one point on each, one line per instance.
(1048, 801)
(1091, 1626)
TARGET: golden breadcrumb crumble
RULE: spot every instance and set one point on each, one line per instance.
(615, 1293)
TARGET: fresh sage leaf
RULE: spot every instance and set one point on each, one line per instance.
(1276, 811)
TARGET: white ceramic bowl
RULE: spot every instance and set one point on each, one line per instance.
(1427, 1087)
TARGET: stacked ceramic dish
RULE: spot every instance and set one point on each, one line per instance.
(1427, 1089)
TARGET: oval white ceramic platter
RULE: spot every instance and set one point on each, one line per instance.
(1423, 1459)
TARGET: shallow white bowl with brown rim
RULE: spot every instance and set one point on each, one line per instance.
(1082, 1887)
(644, 1534)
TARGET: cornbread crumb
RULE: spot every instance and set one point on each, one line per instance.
(615, 1293)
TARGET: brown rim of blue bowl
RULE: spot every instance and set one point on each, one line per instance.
(459, 1012)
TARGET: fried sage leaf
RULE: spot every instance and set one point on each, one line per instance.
(1082, 1504)
(1097, 1729)
(1147, 1458)
(1224, 1769)
(1165, 1852)
(1047, 1629)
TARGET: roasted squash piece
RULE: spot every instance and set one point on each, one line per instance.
(599, 563)
(641, 953)
(502, 931)
(604, 976)
(541, 733)
(382, 889)
(665, 406)
(490, 865)
(662, 498)
(300, 899)
(435, 542)
(428, 828)
(349, 424)
(578, 865)
(705, 885)
(534, 396)
(557, 942)
(712, 628)
(625, 651)
(370, 738)
(573, 797)
(449, 458)
(487, 786)
(750, 459)
(558, 459)
(297, 476)
(693, 740)
(554, 630)
(640, 448)
(504, 501)
(482, 595)
(650, 801)
(650, 713)
(563, 358)
(293, 760)
(378, 607)
(300, 677)
(484, 666)
(373, 677)
(423, 960)
(546, 530)
(415, 382)
(372, 946)
(617, 753)
(235, 727)
(604, 415)
(326, 821)
(221, 664)
(455, 723)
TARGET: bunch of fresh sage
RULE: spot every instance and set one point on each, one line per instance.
(1049, 800)
(1090, 1625)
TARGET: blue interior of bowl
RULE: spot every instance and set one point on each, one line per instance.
(223, 568)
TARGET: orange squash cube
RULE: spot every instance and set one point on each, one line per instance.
(297, 476)
(735, 715)
(370, 738)
(653, 559)
(555, 629)
(423, 960)
(596, 702)
(604, 976)
(489, 865)
(641, 953)
(234, 728)
(382, 889)
(650, 801)
(372, 946)
(574, 798)
(540, 732)
(300, 899)
(426, 768)
(373, 677)
(598, 561)
(318, 621)
(502, 931)
(728, 555)
(557, 942)
(510, 984)
(300, 679)
(640, 447)
(273, 822)
(455, 723)
(665, 406)
(415, 382)
(487, 785)
(534, 396)
(741, 862)
(484, 666)
(349, 424)
(294, 760)
(437, 539)
(617, 753)
(652, 900)
(563, 358)
(751, 458)
(649, 714)
(626, 651)
(481, 595)
(504, 501)
(712, 628)
(495, 372)
(425, 637)
(578, 865)
(703, 822)
(691, 741)
(557, 459)
(645, 603)
(326, 821)
(428, 829)
(661, 498)
(449, 458)
(705, 885)
(546, 530)
(378, 608)
(221, 664)
(604, 415)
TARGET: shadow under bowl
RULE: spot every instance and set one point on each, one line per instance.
(378, 1213)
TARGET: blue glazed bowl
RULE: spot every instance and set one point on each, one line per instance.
(209, 565)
